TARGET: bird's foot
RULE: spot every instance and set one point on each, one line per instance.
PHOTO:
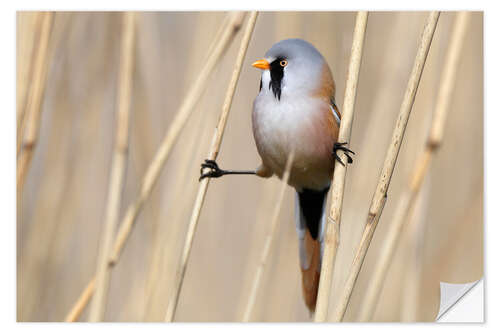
(340, 146)
(215, 171)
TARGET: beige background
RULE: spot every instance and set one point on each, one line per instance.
(61, 211)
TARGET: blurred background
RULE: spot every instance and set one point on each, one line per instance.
(62, 204)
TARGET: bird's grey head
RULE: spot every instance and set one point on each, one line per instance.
(291, 66)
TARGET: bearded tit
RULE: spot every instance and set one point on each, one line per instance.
(295, 111)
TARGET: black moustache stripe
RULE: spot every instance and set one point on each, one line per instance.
(276, 77)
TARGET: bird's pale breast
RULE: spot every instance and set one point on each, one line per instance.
(304, 124)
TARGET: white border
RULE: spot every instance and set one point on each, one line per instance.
(7, 142)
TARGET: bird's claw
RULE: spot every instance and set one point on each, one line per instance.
(214, 172)
(340, 146)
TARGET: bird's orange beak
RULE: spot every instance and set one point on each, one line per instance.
(262, 64)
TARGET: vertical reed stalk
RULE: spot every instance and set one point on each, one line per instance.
(118, 166)
(165, 239)
(333, 221)
(34, 103)
(214, 150)
(269, 240)
(155, 167)
(380, 195)
(407, 199)
(28, 28)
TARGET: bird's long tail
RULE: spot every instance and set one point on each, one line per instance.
(310, 221)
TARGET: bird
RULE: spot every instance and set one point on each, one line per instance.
(295, 111)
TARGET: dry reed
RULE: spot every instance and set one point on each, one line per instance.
(380, 195)
(214, 151)
(28, 27)
(155, 167)
(408, 198)
(269, 240)
(81, 303)
(118, 166)
(333, 221)
(164, 247)
(34, 103)
(153, 172)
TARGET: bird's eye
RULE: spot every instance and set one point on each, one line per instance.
(283, 63)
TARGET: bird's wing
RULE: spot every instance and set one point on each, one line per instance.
(335, 111)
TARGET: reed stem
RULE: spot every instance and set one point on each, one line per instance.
(35, 101)
(408, 198)
(380, 195)
(214, 150)
(333, 221)
(154, 169)
(28, 31)
(82, 302)
(118, 166)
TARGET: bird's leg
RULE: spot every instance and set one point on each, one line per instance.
(216, 172)
(340, 146)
